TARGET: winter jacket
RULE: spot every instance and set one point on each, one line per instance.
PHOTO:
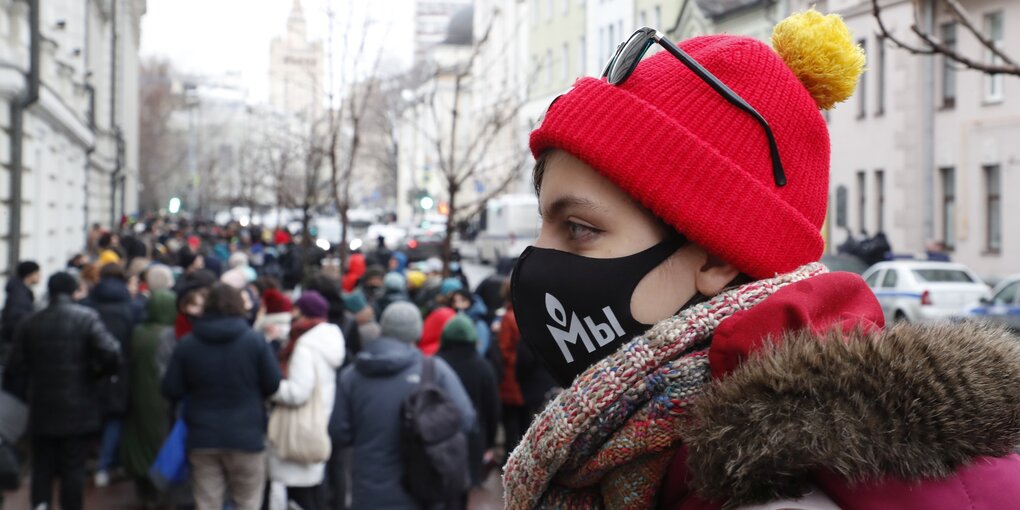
(63, 351)
(19, 305)
(387, 299)
(535, 381)
(148, 413)
(432, 329)
(478, 379)
(478, 313)
(509, 340)
(224, 371)
(924, 416)
(118, 311)
(367, 417)
(315, 360)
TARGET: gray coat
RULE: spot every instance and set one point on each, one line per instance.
(367, 416)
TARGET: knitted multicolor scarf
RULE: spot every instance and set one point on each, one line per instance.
(607, 441)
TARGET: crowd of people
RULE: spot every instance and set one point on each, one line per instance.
(247, 338)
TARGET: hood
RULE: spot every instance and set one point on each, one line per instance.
(385, 356)
(911, 402)
(15, 285)
(327, 341)
(478, 310)
(401, 259)
(459, 330)
(110, 290)
(216, 329)
(162, 308)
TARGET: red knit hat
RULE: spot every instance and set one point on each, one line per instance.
(276, 302)
(702, 165)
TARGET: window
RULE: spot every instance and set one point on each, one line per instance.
(536, 11)
(861, 178)
(993, 82)
(993, 203)
(566, 7)
(548, 10)
(880, 69)
(947, 176)
(611, 42)
(602, 47)
(890, 279)
(1007, 295)
(880, 200)
(941, 276)
(566, 61)
(841, 205)
(658, 17)
(948, 67)
(582, 57)
(872, 279)
(862, 88)
(548, 67)
(643, 18)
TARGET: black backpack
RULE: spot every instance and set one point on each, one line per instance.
(433, 447)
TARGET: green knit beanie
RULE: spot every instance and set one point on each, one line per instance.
(459, 329)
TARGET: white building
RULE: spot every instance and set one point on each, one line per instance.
(79, 147)
(927, 151)
(296, 69)
(431, 20)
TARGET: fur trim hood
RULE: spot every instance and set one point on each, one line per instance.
(912, 402)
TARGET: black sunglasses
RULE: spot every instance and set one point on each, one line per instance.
(629, 54)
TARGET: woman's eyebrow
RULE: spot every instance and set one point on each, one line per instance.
(570, 202)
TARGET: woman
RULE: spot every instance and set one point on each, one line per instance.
(315, 352)
(223, 371)
(459, 349)
(661, 191)
(147, 420)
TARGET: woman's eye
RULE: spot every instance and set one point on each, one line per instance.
(579, 232)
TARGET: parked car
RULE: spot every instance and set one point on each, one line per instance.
(917, 291)
(1003, 307)
(423, 245)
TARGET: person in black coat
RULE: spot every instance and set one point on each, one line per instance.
(20, 300)
(62, 352)
(223, 371)
(459, 350)
(120, 314)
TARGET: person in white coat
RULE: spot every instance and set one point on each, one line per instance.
(311, 357)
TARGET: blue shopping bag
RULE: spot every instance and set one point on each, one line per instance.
(171, 465)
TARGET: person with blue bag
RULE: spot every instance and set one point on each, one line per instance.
(225, 371)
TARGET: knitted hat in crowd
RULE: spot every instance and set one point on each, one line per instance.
(450, 285)
(312, 304)
(355, 301)
(159, 277)
(459, 329)
(276, 302)
(401, 321)
(702, 165)
(235, 278)
(394, 281)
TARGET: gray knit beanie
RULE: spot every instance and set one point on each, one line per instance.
(402, 321)
(159, 277)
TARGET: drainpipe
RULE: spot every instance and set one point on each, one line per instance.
(91, 91)
(928, 130)
(118, 166)
(27, 97)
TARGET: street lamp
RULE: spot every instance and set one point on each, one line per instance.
(175, 205)
(427, 203)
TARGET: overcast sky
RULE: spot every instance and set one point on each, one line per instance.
(221, 36)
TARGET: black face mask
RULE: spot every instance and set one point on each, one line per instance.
(573, 311)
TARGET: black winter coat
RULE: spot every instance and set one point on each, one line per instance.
(224, 371)
(478, 379)
(63, 351)
(119, 314)
(20, 304)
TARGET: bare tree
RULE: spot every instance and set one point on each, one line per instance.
(931, 45)
(161, 149)
(462, 137)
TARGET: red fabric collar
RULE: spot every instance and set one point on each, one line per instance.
(832, 300)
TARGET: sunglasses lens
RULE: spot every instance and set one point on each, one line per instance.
(628, 57)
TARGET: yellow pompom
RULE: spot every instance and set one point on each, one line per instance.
(820, 51)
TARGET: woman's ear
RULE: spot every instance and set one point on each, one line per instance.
(714, 275)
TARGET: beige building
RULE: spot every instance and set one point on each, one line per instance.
(925, 150)
(296, 69)
(79, 142)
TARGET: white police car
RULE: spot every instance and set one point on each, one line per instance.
(917, 291)
(1003, 307)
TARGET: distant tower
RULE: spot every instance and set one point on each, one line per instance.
(296, 78)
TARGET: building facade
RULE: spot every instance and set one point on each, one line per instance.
(926, 150)
(431, 20)
(79, 143)
(296, 69)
